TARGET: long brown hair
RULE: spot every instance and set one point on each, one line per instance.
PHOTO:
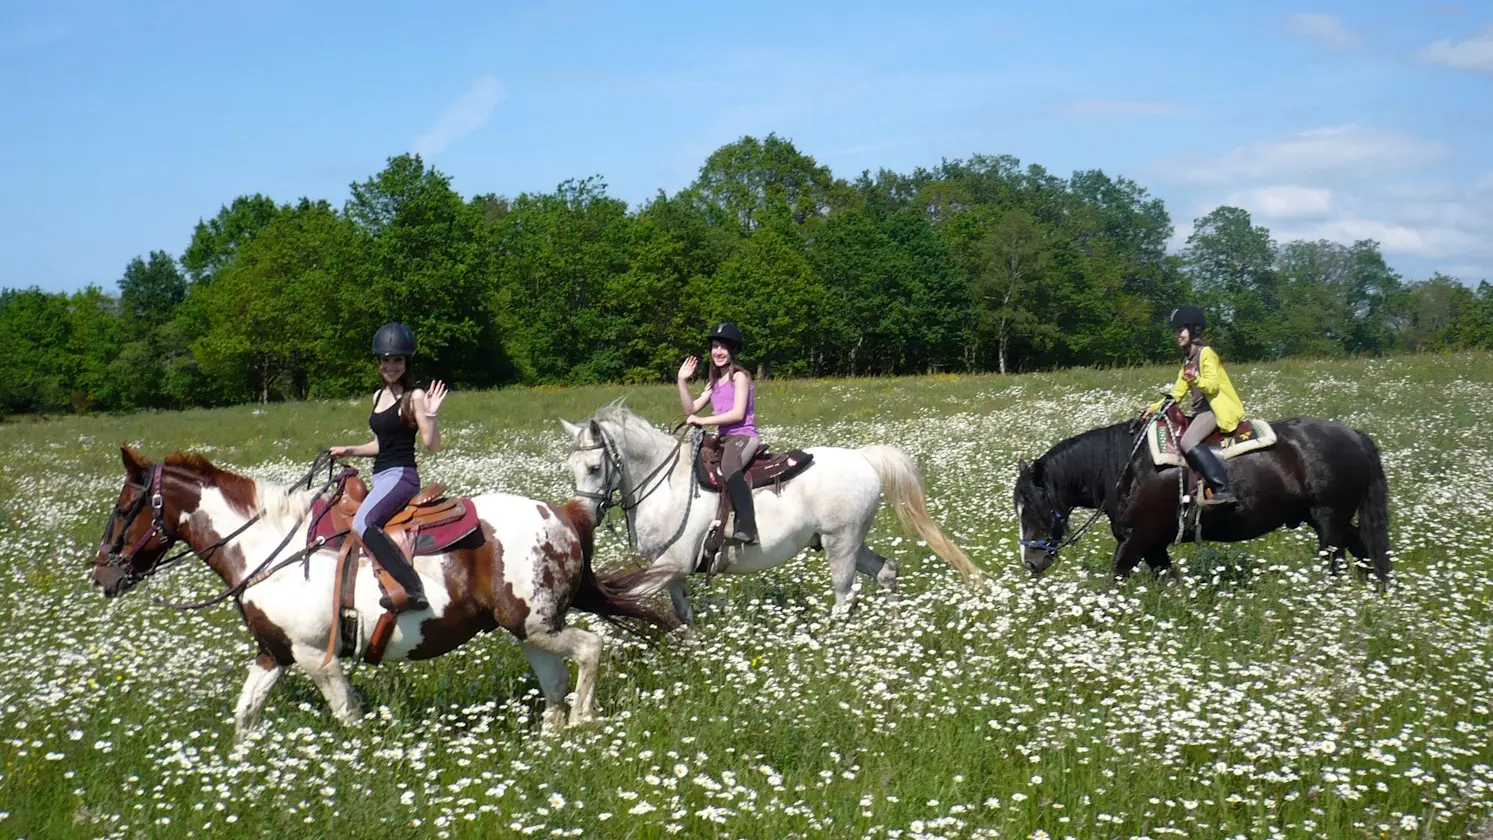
(407, 387)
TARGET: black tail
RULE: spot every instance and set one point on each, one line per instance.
(1373, 513)
(609, 596)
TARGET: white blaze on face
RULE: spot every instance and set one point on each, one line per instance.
(1020, 536)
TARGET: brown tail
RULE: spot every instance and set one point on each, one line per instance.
(609, 596)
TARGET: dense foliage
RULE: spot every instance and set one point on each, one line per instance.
(977, 264)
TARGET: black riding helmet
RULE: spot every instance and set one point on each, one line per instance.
(728, 333)
(1191, 317)
(394, 339)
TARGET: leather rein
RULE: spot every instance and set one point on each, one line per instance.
(612, 495)
(150, 491)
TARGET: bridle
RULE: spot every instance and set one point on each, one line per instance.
(614, 473)
(124, 562)
(1051, 544)
(150, 490)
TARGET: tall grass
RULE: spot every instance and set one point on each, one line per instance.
(1258, 696)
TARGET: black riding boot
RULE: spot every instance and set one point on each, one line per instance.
(392, 559)
(1202, 459)
(745, 529)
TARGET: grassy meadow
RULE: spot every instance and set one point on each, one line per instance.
(1255, 697)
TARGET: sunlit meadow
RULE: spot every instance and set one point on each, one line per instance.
(1256, 696)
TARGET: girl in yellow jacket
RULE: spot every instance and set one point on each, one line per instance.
(1215, 405)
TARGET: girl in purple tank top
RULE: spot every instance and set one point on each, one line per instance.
(733, 403)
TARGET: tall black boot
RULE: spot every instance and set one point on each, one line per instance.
(745, 528)
(1202, 459)
(392, 559)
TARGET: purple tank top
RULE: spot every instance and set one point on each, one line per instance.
(723, 399)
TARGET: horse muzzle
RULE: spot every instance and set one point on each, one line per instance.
(1037, 560)
(111, 579)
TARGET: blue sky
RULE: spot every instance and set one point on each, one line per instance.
(127, 123)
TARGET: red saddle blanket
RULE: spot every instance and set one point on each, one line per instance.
(765, 468)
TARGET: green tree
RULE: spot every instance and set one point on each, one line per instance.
(749, 182)
(216, 241)
(1008, 264)
(1231, 262)
(428, 265)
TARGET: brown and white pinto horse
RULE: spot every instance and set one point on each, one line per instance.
(532, 567)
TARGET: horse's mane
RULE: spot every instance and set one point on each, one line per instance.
(617, 413)
(281, 505)
(1095, 460)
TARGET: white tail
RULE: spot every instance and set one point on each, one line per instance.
(902, 484)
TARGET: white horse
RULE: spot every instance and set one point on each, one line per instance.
(533, 564)
(618, 458)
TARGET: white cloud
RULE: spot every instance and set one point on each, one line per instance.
(1475, 53)
(1285, 201)
(1394, 238)
(1091, 109)
(468, 113)
(1352, 150)
(1326, 30)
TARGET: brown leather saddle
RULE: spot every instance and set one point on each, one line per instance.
(765, 470)
(1218, 440)
(429, 524)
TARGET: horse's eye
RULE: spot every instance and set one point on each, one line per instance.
(594, 469)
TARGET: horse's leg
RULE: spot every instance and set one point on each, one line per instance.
(264, 672)
(1138, 544)
(873, 565)
(554, 679)
(584, 648)
(1361, 551)
(680, 599)
(842, 550)
(1160, 562)
(332, 682)
(1332, 537)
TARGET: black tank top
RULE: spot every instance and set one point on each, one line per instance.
(396, 440)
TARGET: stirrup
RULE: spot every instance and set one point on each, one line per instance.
(1224, 499)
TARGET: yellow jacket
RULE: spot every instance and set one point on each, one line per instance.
(1215, 385)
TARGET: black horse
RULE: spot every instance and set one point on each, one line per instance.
(1318, 472)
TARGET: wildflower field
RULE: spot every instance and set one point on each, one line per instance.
(1256, 696)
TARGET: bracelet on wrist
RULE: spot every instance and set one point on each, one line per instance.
(430, 414)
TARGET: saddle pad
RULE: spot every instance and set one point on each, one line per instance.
(1249, 436)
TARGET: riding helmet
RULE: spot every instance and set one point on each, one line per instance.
(394, 339)
(1188, 316)
(729, 333)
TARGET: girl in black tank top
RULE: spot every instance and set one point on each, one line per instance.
(395, 476)
(396, 438)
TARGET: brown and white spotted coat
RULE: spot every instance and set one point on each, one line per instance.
(531, 569)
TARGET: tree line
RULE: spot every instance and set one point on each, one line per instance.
(973, 265)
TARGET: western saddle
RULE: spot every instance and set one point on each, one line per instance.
(430, 523)
(764, 470)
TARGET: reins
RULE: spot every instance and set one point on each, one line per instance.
(612, 495)
(1052, 546)
(158, 527)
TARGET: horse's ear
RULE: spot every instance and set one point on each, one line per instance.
(595, 429)
(135, 464)
(1022, 467)
(570, 428)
